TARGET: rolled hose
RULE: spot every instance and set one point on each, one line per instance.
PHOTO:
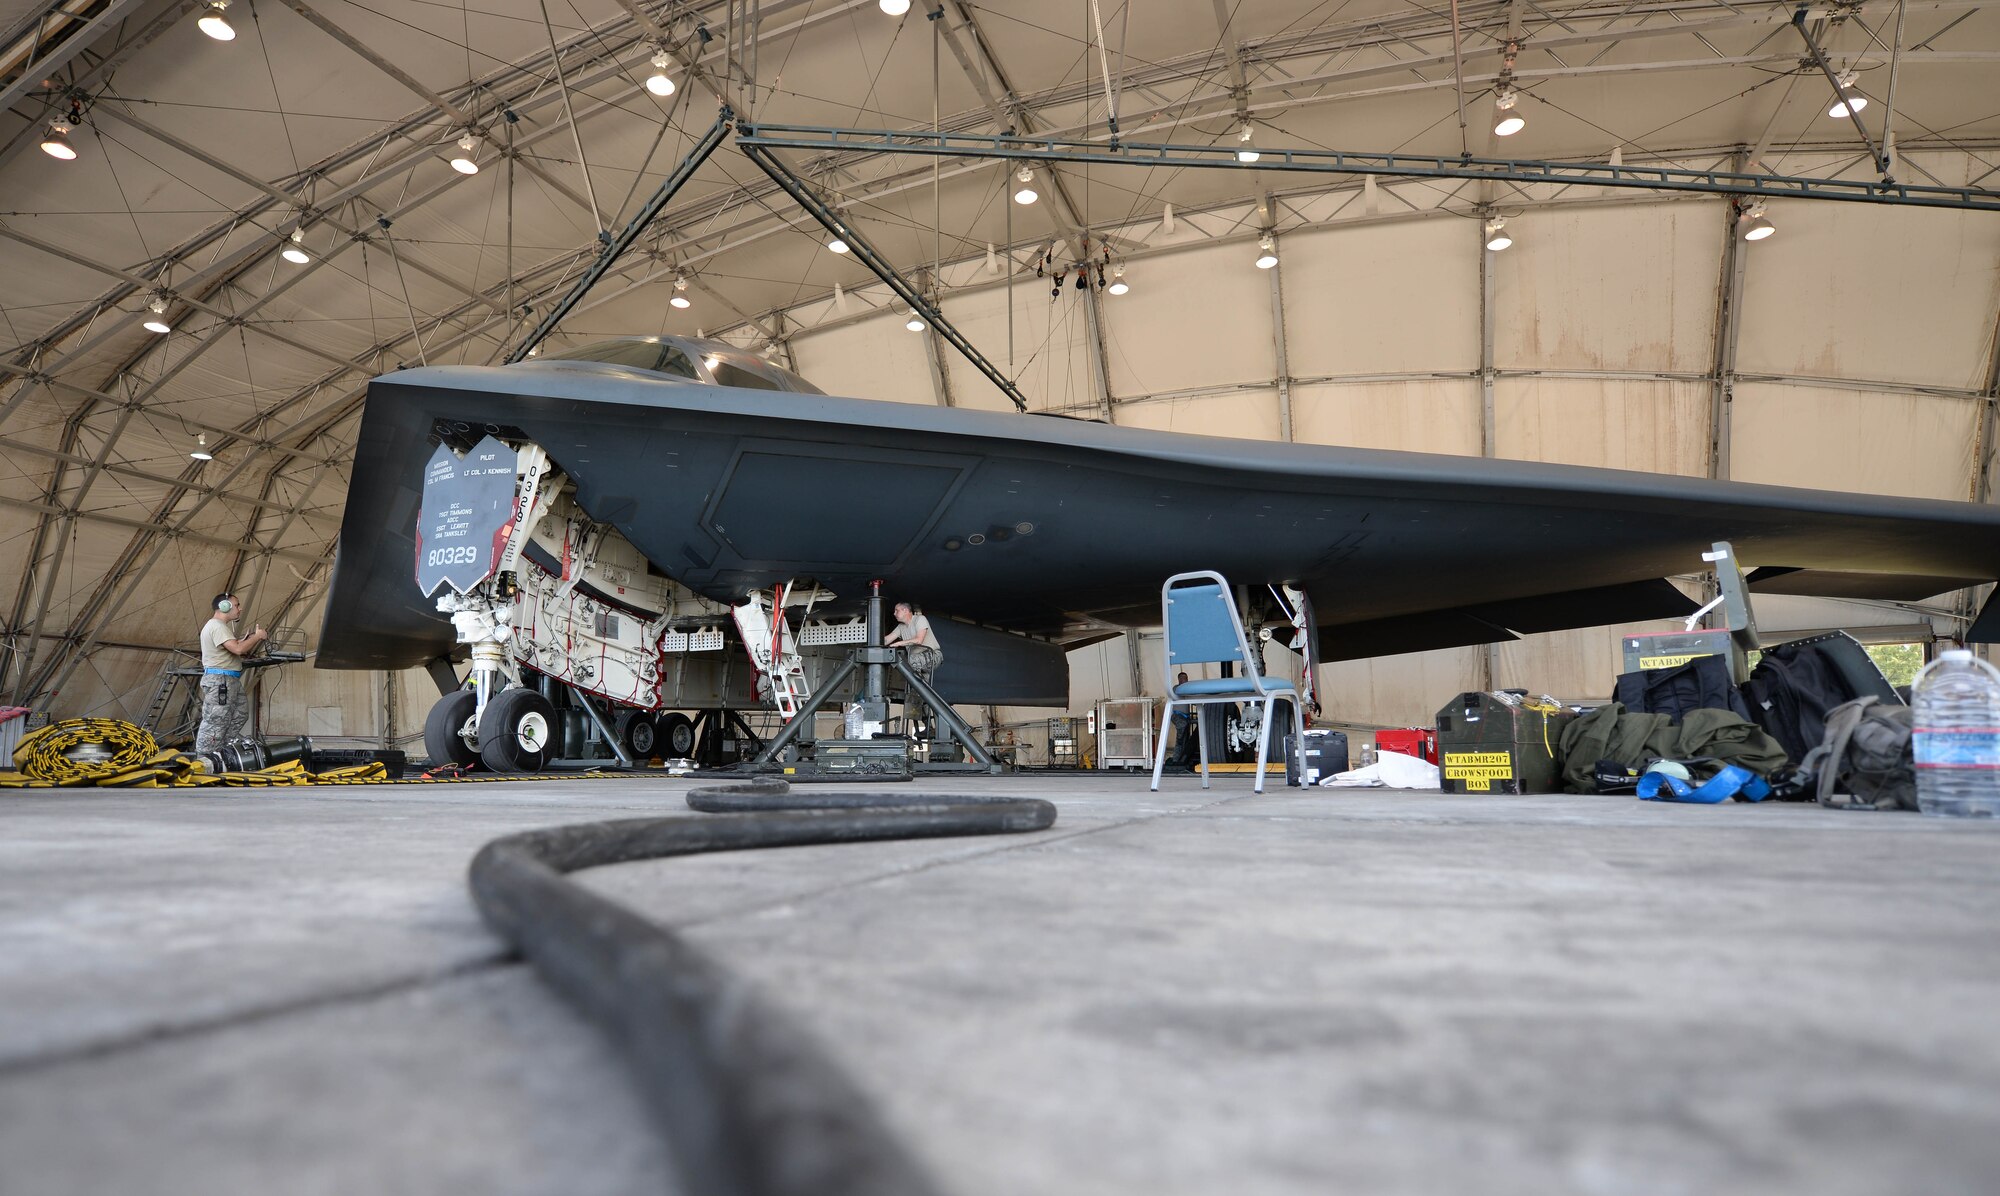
(84, 751)
(747, 1102)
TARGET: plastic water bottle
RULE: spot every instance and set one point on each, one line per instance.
(1957, 737)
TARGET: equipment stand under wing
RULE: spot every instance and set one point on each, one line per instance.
(876, 658)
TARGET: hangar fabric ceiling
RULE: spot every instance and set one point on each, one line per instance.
(209, 246)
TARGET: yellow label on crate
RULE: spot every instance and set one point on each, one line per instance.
(1478, 769)
(1670, 662)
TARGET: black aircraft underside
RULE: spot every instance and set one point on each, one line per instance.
(1027, 523)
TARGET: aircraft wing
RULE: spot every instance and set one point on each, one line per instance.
(1034, 523)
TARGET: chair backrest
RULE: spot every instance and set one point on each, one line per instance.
(1200, 622)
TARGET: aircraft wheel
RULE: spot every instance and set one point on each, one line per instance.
(674, 734)
(443, 741)
(517, 732)
(641, 735)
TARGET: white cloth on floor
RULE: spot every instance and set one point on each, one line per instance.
(1391, 770)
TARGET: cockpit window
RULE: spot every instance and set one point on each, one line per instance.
(666, 357)
(733, 375)
(676, 363)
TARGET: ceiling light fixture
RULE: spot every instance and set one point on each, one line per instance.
(1753, 224)
(837, 245)
(1025, 193)
(55, 142)
(463, 162)
(1268, 255)
(295, 252)
(1118, 285)
(916, 322)
(895, 8)
(1506, 121)
(1849, 99)
(1246, 152)
(1497, 237)
(158, 306)
(659, 82)
(214, 24)
(200, 450)
(679, 298)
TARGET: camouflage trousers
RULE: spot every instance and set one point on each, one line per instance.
(225, 710)
(924, 661)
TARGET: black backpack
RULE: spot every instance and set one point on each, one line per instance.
(1865, 762)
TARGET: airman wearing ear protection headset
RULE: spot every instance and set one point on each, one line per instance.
(225, 704)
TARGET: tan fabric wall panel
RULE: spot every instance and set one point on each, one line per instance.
(1660, 427)
(1050, 361)
(1612, 288)
(874, 359)
(1396, 691)
(113, 683)
(1381, 299)
(1583, 663)
(1252, 414)
(1860, 441)
(1848, 290)
(1199, 318)
(302, 700)
(1427, 415)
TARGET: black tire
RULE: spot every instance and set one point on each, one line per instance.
(641, 736)
(1215, 718)
(674, 736)
(517, 731)
(442, 741)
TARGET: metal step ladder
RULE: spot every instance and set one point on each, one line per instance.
(175, 710)
(774, 651)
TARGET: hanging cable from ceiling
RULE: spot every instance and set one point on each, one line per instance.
(1458, 80)
(1104, 66)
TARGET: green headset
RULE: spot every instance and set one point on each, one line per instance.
(224, 606)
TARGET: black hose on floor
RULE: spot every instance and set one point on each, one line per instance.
(748, 1103)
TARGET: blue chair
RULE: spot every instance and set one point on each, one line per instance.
(1201, 626)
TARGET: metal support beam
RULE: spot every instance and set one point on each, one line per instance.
(1100, 367)
(1282, 354)
(666, 191)
(1876, 156)
(60, 49)
(1728, 326)
(1489, 430)
(865, 253)
(1489, 433)
(1010, 116)
(940, 375)
(934, 355)
(825, 139)
(1989, 422)
(458, 116)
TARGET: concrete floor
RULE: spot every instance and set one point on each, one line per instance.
(1187, 992)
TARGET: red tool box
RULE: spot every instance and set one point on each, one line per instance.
(1421, 742)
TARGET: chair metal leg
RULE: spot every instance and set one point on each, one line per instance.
(1160, 756)
(1201, 737)
(1299, 733)
(1263, 744)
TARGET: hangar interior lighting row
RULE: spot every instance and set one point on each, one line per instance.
(1752, 222)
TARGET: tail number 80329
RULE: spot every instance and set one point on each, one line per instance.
(465, 554)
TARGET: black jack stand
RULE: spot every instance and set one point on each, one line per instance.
(876, 659)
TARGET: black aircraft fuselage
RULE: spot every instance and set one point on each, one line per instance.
(1038, 524)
